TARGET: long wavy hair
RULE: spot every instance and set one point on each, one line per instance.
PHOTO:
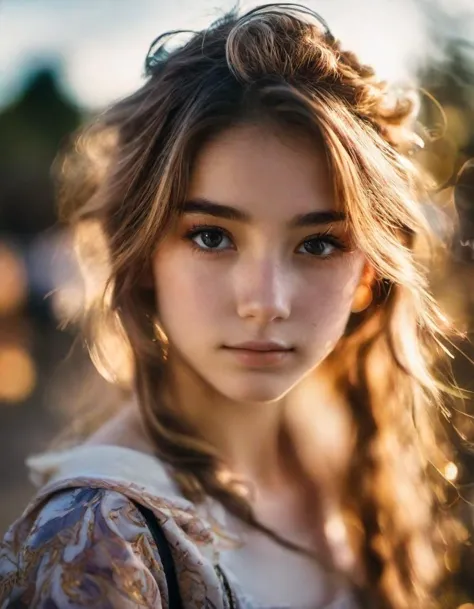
(121, 186)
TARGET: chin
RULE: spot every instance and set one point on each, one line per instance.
(250, 391)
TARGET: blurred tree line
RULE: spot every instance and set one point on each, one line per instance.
(31, 348)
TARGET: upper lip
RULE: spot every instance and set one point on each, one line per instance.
(255, 345)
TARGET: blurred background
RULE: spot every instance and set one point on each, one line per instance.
(63, 60)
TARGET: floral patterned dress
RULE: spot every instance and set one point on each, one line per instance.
(82, 541)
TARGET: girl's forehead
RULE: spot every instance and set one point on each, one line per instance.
(263, 172)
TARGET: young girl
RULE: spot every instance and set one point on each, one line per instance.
(255, 260)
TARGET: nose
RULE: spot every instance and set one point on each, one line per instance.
(263, 291)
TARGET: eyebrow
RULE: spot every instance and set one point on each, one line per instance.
(218, 210)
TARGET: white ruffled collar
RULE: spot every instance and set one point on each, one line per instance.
(102, 462)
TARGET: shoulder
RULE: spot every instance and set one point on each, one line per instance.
(82, 545)
(99, 514)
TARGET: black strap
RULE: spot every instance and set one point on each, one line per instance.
(174, 596)
(167, 561)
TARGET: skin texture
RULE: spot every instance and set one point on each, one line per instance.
(264, 284)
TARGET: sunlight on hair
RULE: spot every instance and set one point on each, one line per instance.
(93, 258)
(67, 301)
(113, 359)
(451, 560)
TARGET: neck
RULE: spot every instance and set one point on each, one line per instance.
(301, 440)
(251, 438)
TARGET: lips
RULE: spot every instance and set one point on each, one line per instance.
(260, 354)
(261, 346)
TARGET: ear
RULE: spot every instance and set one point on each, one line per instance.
(368, 274)
(363, 294)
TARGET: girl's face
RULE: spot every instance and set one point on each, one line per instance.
(259, 256)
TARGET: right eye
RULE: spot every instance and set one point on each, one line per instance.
(209, 239)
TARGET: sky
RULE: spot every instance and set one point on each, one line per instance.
(99, 45)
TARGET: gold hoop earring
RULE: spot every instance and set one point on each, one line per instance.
(161, 337)
(363, 298)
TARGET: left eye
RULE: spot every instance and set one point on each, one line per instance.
(210, 239)
(318, 246)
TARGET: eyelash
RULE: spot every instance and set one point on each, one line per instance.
(197, 229)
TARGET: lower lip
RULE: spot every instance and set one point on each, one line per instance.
(259, 359)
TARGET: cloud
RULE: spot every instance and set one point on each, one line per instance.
(101, 43)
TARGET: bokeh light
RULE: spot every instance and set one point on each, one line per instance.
(13, 281)
(17, 374)
(450, 472)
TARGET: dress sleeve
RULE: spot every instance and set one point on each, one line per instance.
(88, 548)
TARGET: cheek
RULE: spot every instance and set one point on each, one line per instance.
(187, 290)
(331, 286)
(325, 302)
